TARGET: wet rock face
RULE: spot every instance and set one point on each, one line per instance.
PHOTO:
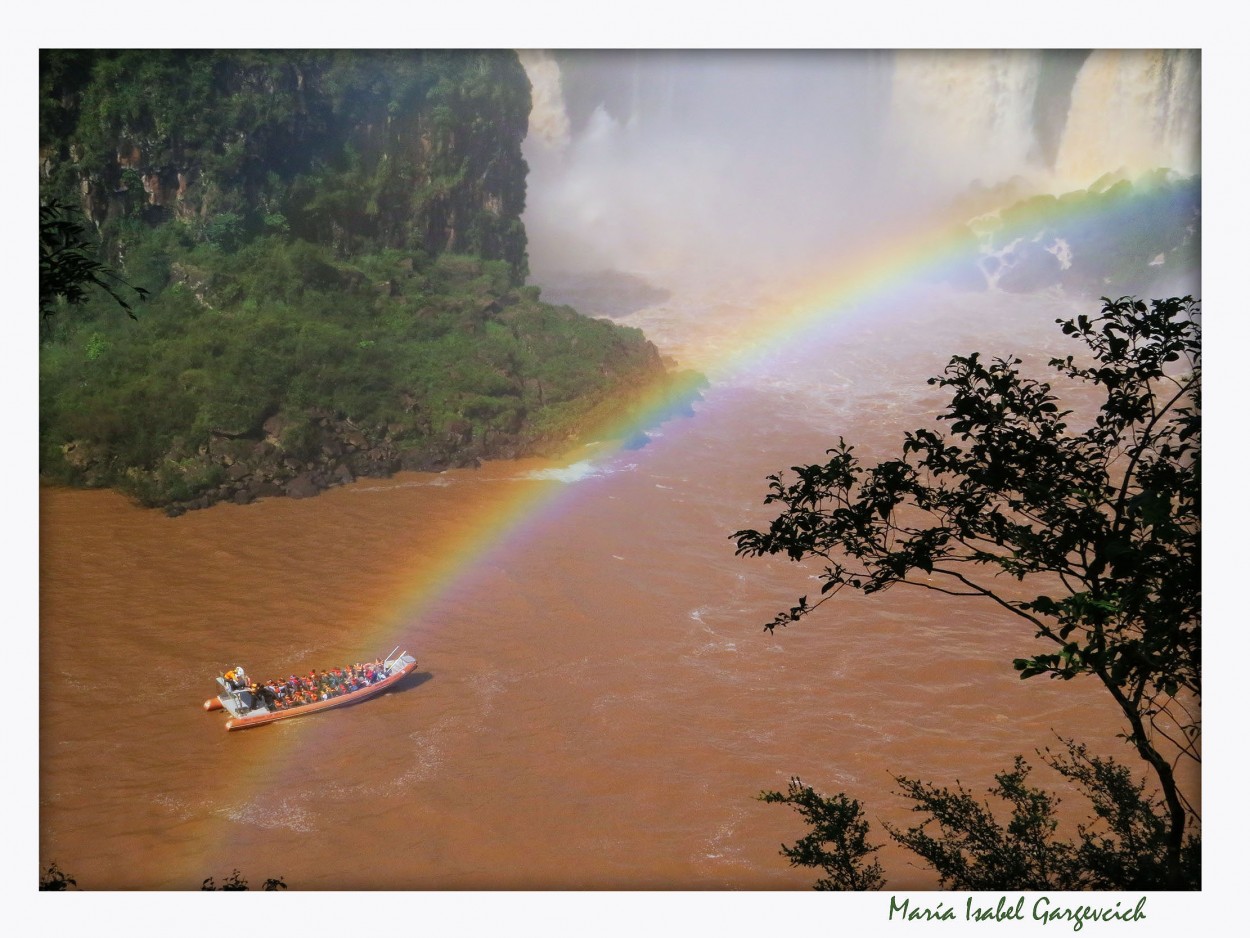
(302, 486)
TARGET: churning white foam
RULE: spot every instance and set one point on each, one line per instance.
(578, 471)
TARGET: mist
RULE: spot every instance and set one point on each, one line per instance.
(681, 166)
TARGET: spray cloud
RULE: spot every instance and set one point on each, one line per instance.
(741, 164)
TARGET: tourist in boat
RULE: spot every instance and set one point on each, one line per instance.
(296, 690)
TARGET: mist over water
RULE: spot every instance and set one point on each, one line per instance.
(673, 157)
(695, 166)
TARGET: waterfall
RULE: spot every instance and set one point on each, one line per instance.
(960, 117)
(549, 122)
(1132, 111)
(658, 162)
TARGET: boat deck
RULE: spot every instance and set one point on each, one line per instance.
(231, 702)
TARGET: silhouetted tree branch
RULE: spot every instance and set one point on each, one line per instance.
(1104, 520)
(68, 266)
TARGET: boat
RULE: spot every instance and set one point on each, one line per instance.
(247, 709)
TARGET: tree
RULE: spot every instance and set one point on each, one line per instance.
(236, 883)
(54, 879)
(1123, 847)
(838, 821)
(1104, 520)
(68, 266)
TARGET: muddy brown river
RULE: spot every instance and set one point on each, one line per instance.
(596, 704)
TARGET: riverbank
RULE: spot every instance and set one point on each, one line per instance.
(334, 450)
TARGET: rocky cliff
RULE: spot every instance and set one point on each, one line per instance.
(333, 258)
(355, 150)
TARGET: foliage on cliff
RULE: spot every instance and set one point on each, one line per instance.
(331, 254)
(1143, 234)
(355, 150)
(280, 357)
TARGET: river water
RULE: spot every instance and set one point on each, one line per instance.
(596, 703)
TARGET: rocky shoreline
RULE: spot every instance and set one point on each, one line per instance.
(264, 468)
(300, 457)
(243, 469)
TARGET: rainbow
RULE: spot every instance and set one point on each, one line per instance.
(926, 253)
(491, 530)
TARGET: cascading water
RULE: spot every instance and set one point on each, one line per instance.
(676, 159)
(739, 166)
(945, 106)
(1133, 112)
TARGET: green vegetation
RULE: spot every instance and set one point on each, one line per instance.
(355, 150)
(271, 353)
(1148, 234)
(331, 251)
(1105, 520)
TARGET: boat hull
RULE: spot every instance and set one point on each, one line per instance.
(398, 670)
